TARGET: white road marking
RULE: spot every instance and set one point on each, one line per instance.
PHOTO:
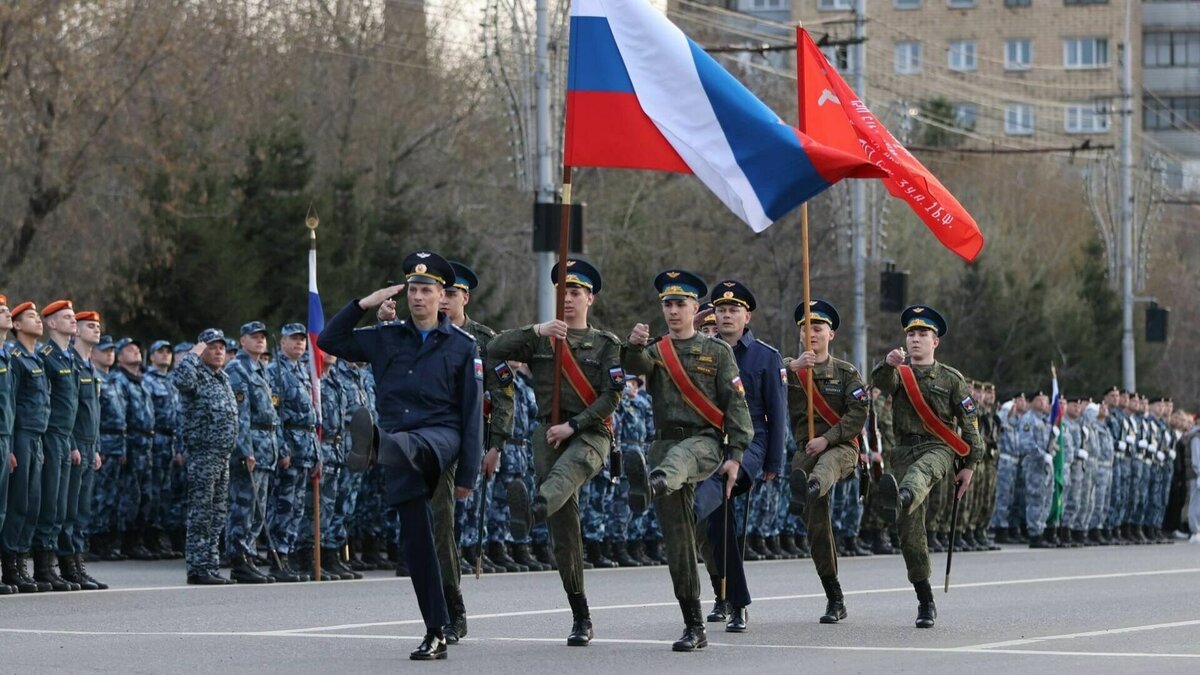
(1092, 633)
(655, 643)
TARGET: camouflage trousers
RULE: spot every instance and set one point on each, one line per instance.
(617, 514)
(937, 508)
(24, 492)
(106, 490)
(764, 510)
(77, 521)
(789, 524)
(246, 516)
(1039, 491)
(56, 478)
(172, 505)
(980, 500)
(369, 517)
(466, 514)
(208, 494)
(1118, 494)
(1006, 478)
(1159, 494)
(644, 526)
(594, 498)
(561, 472)
(289, 491)
(919, 469)
(1139, 492)
(1078, 495)
(139, 490)
(847, 507)
(684, 464)
(1101, 496)
(333, 508)
(829, 469)
(514, 464)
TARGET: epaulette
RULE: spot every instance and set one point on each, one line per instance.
(611, 337)
(46, 350)
(766, 345)
(955, 372)
(486, 330)
(364, 328)
(463, 332)
(844, 365)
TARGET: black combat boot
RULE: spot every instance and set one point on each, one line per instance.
(960, 542)
(756, 549)
(23, 570)
(499, 556)
(889, 498)
(432, 648)
(926, 610)
(133, 548)
(544, 555)
(694, 635)
(933, 543)
(595, 555)
(721, 608)
(787, 544)
(372, 557)
(772, 546)
(880, 544)
(968, 541)
(739, 619)
(281, 570)
(520, 553)
(637, 551)
(802, 544)
(1050, 538)
(835, 608)
(83, 573)
(521, 516)
(655, 550)
(619, 553)
(9, 580)
(983, 539)
(1002, 536)
(43, 573)
(244, 571)
(581, 621)
(457, 628)
(634, 466)
(342, 567)
(860, 549)
(798, 486)
(1040, 541)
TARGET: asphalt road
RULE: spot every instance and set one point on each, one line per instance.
(1094, 610)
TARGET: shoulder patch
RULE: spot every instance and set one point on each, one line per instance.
(504, 374)
(241, 396)
(617, 375)
(472, 339)
(766, 345)
(737, 385)
(859, 394)
(478, 369)
(968, 405)
(783, 375)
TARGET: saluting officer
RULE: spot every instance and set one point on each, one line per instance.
(929, 399)
(762, 372)
(429, 380)
(567, 455)
(702, 425)
(840, 411)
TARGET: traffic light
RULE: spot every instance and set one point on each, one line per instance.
(1156, 323)
(893, 287)
(547, 219)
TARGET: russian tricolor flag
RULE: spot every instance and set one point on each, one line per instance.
(641, 95)
(316, 324)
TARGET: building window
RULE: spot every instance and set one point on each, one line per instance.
(1085, 2)
(907, 4)
(965, 115)
(1163, 50)
(842, 57)
(835, 5)
(962, 55)
(1016, 3)
(1165, 113)
(1091, 52)
(1018, 54)
(1084, 119)
(908, 57)
(1018, 119)
(960, 4)
(761, 5)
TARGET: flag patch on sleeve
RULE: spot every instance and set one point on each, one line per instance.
(859, 394)
(968, 404)
(783, 375)
(503, 373)
(617, 375)
(737, 385)
(479, 369)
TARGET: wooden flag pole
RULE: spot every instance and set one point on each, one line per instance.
(807, 346)
(560, 292)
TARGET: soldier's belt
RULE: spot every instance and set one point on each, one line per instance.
(310, 428)
(264, 427)
(916, 439)
(678, 433)
(113, 432)
(165, 432)
(147, 434)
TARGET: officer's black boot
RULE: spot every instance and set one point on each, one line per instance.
(26, 584)
(756, 549)
(634, 465)
(70, 572)
(457, 611)
(432, 648)
(720, 611)
(787, 544)
(798, 486)
(1049, 538)
(342, 567)
(43, 572)
(739, 620)
(595, 556)
(926, 610)
(802, 544)
(637, 549)
(694, 635)
(244, 571)
(835, 608)
(83, 574)
(133, 548)
(619, 552)
(10, 581)
(581, 621)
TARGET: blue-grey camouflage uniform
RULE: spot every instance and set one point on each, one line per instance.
(1006, 469)
(138, 493)
(1103, 450)
(257, 429)
(1037, 467)
(210, 430)
(296, 439)
(106, 493)
(165, 399)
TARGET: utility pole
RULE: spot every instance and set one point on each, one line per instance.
(858, 206)
(545, 170)
(1128, 373)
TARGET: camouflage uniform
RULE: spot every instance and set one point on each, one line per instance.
(107, 519)
(562, 471)
(210, 429)
(920, 461)
(687, 449)
(631, 425)
(162, 459)
(258, 424)
(139, 494)
(515, 463)
(333, 461)
(1037, 468)
(1101, 449)
(1006, 470)
(296, 438)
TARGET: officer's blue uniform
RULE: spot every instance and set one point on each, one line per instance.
(430, 403)
(63, 375)
(6, 427)
(763, 377)
(31, 400)
(86, 437)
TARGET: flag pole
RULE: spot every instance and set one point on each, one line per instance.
(311, 221)
(808, 387)
(560, 290)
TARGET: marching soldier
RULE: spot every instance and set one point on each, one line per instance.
(840, 403)
(31, 403)
(568, 454)
(430, 404)
(928, 398)
(762, 373)
(702, 425)
(254, 460)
